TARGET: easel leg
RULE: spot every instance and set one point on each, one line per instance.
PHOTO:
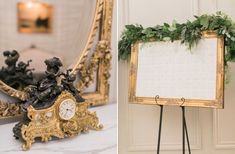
(185, 131)
(160, 129)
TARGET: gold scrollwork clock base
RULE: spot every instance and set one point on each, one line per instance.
(46, 123)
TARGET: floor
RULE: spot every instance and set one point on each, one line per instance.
(95, 142)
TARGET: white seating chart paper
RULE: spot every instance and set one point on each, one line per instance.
(170, 70)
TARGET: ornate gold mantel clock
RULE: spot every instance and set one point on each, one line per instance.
(65, 118)
(54, 109)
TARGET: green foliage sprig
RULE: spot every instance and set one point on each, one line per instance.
(189, 33)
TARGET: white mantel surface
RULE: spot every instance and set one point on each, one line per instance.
(95, 142)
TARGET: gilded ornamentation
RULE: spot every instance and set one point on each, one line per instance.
(46, 123)
(12, 92)
(102, 54)
(85, 71)
(133, 69)
(95, 26)
(9, 110)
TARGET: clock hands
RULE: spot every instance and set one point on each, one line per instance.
(69, 110)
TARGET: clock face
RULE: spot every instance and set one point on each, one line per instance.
(67, 109)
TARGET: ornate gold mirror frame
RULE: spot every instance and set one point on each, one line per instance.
(86, 67)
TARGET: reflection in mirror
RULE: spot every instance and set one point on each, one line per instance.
(16, 74)
(70, 26)
(93, 83)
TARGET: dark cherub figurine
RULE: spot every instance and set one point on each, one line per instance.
(48, 87)
(46, 91)
(16, 75)
(67, 83)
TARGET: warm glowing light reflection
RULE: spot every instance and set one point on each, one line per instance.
(34, 16)
(29, 4)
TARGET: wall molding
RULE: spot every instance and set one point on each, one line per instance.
(195, 7)
(216, 5)
(165, 146)
(125, 14)
(218, 143)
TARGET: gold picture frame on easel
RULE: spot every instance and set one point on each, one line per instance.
(152, 64)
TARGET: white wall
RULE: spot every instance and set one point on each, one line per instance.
(210, 131)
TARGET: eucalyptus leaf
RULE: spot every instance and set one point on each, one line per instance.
(189, 33)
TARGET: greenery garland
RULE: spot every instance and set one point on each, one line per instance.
(189, 33)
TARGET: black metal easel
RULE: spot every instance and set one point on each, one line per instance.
(184, 127)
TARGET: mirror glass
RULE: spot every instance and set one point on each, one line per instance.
(35, 30)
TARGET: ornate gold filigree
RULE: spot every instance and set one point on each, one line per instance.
(46, 123)
(87, 71)
(9, 110)
(12, 92)
(94, 28)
